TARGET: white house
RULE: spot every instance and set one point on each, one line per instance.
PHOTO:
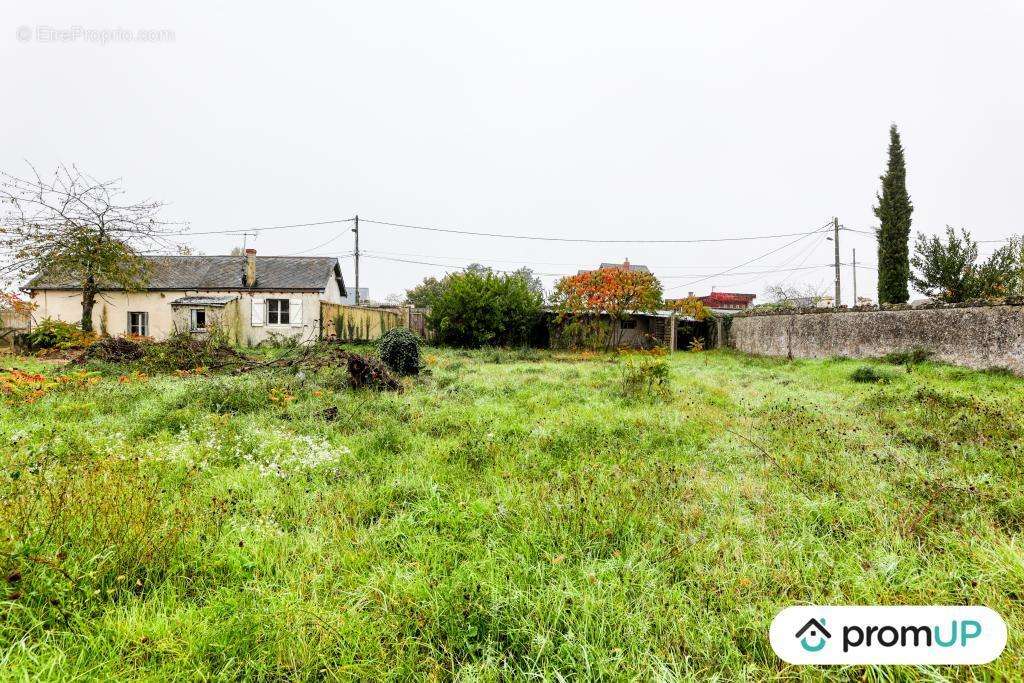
(252, 298)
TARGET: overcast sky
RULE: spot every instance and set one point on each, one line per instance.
(577, 119)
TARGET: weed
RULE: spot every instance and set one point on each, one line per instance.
(866, 374)
(911, 357)
(644, 376)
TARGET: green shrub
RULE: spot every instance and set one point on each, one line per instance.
(400, 350)
(50, 334)
(645, 376)
(479, 309)
(866, 374)
(911, 357)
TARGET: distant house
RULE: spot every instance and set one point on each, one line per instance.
(723, 303)
(625, 265)
(350, 297)
(251, 298)
(728, 302)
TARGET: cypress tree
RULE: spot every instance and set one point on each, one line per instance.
(893, 212)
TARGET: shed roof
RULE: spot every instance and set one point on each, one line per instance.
(217, 301)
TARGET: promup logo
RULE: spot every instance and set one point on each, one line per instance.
(817, 630)
(888, 635)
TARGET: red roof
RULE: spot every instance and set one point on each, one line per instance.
(727, 300)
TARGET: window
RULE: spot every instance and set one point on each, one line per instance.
(277, 311)
(629, 324)
(138, 323)
(198, 319)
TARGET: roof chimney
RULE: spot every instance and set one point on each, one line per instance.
(250, 268)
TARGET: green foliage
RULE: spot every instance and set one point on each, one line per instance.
(185, 351)
(484, 309)
(948, 270)
(866, 374)
(644, 376)
(51, 334)
(911, 357)
(426, 293)
(894, 215)
(399, 348)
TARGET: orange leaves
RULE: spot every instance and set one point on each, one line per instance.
(280, 397)
(693, 307)
(12, 302)
(18, 386)
(615, 291)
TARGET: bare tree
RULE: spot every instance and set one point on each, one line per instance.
(808, 294)
(71, 228)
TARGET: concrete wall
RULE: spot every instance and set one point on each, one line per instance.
(67, 306)
(975, 336)
(361, 322)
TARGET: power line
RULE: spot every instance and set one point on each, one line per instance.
(803, 236)
(375, 256)
(576, 240)
(322, 244)
(533, 264)
(269, 227)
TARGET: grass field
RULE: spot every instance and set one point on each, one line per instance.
(510, 515)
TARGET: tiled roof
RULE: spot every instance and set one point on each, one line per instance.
(182, 273)
(715, 299)
(626, 266)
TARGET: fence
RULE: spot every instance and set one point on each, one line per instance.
(11, 323)
(359, 323)
(418, 322)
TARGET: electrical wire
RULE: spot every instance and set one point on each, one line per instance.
(803, 236)
(663, 277)
(270, 227)
(576, 240)
(534, 264)
(322, 244)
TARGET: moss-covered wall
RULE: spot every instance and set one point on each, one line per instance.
(975, 336)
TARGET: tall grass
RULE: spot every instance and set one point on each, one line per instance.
(510, 515)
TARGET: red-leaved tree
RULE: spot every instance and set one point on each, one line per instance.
(614, 292)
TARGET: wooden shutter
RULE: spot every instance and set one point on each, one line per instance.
(258, 308)
(295, 312)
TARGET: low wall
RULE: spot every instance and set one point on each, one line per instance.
(975, 336)
(359, 323)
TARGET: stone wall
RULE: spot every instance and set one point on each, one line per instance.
(975, 336)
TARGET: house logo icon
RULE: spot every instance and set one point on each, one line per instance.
(815, 631)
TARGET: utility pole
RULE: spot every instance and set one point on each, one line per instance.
(355, 253)
(835, 225)
(854, 277)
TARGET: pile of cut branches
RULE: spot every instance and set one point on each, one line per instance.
(112, 350)
(365, 371)
(184, 351)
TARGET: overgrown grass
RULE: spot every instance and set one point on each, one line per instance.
(510, 515)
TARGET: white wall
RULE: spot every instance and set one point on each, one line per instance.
(67, 306)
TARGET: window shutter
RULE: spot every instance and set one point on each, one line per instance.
(295, 312)
(258, 306)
